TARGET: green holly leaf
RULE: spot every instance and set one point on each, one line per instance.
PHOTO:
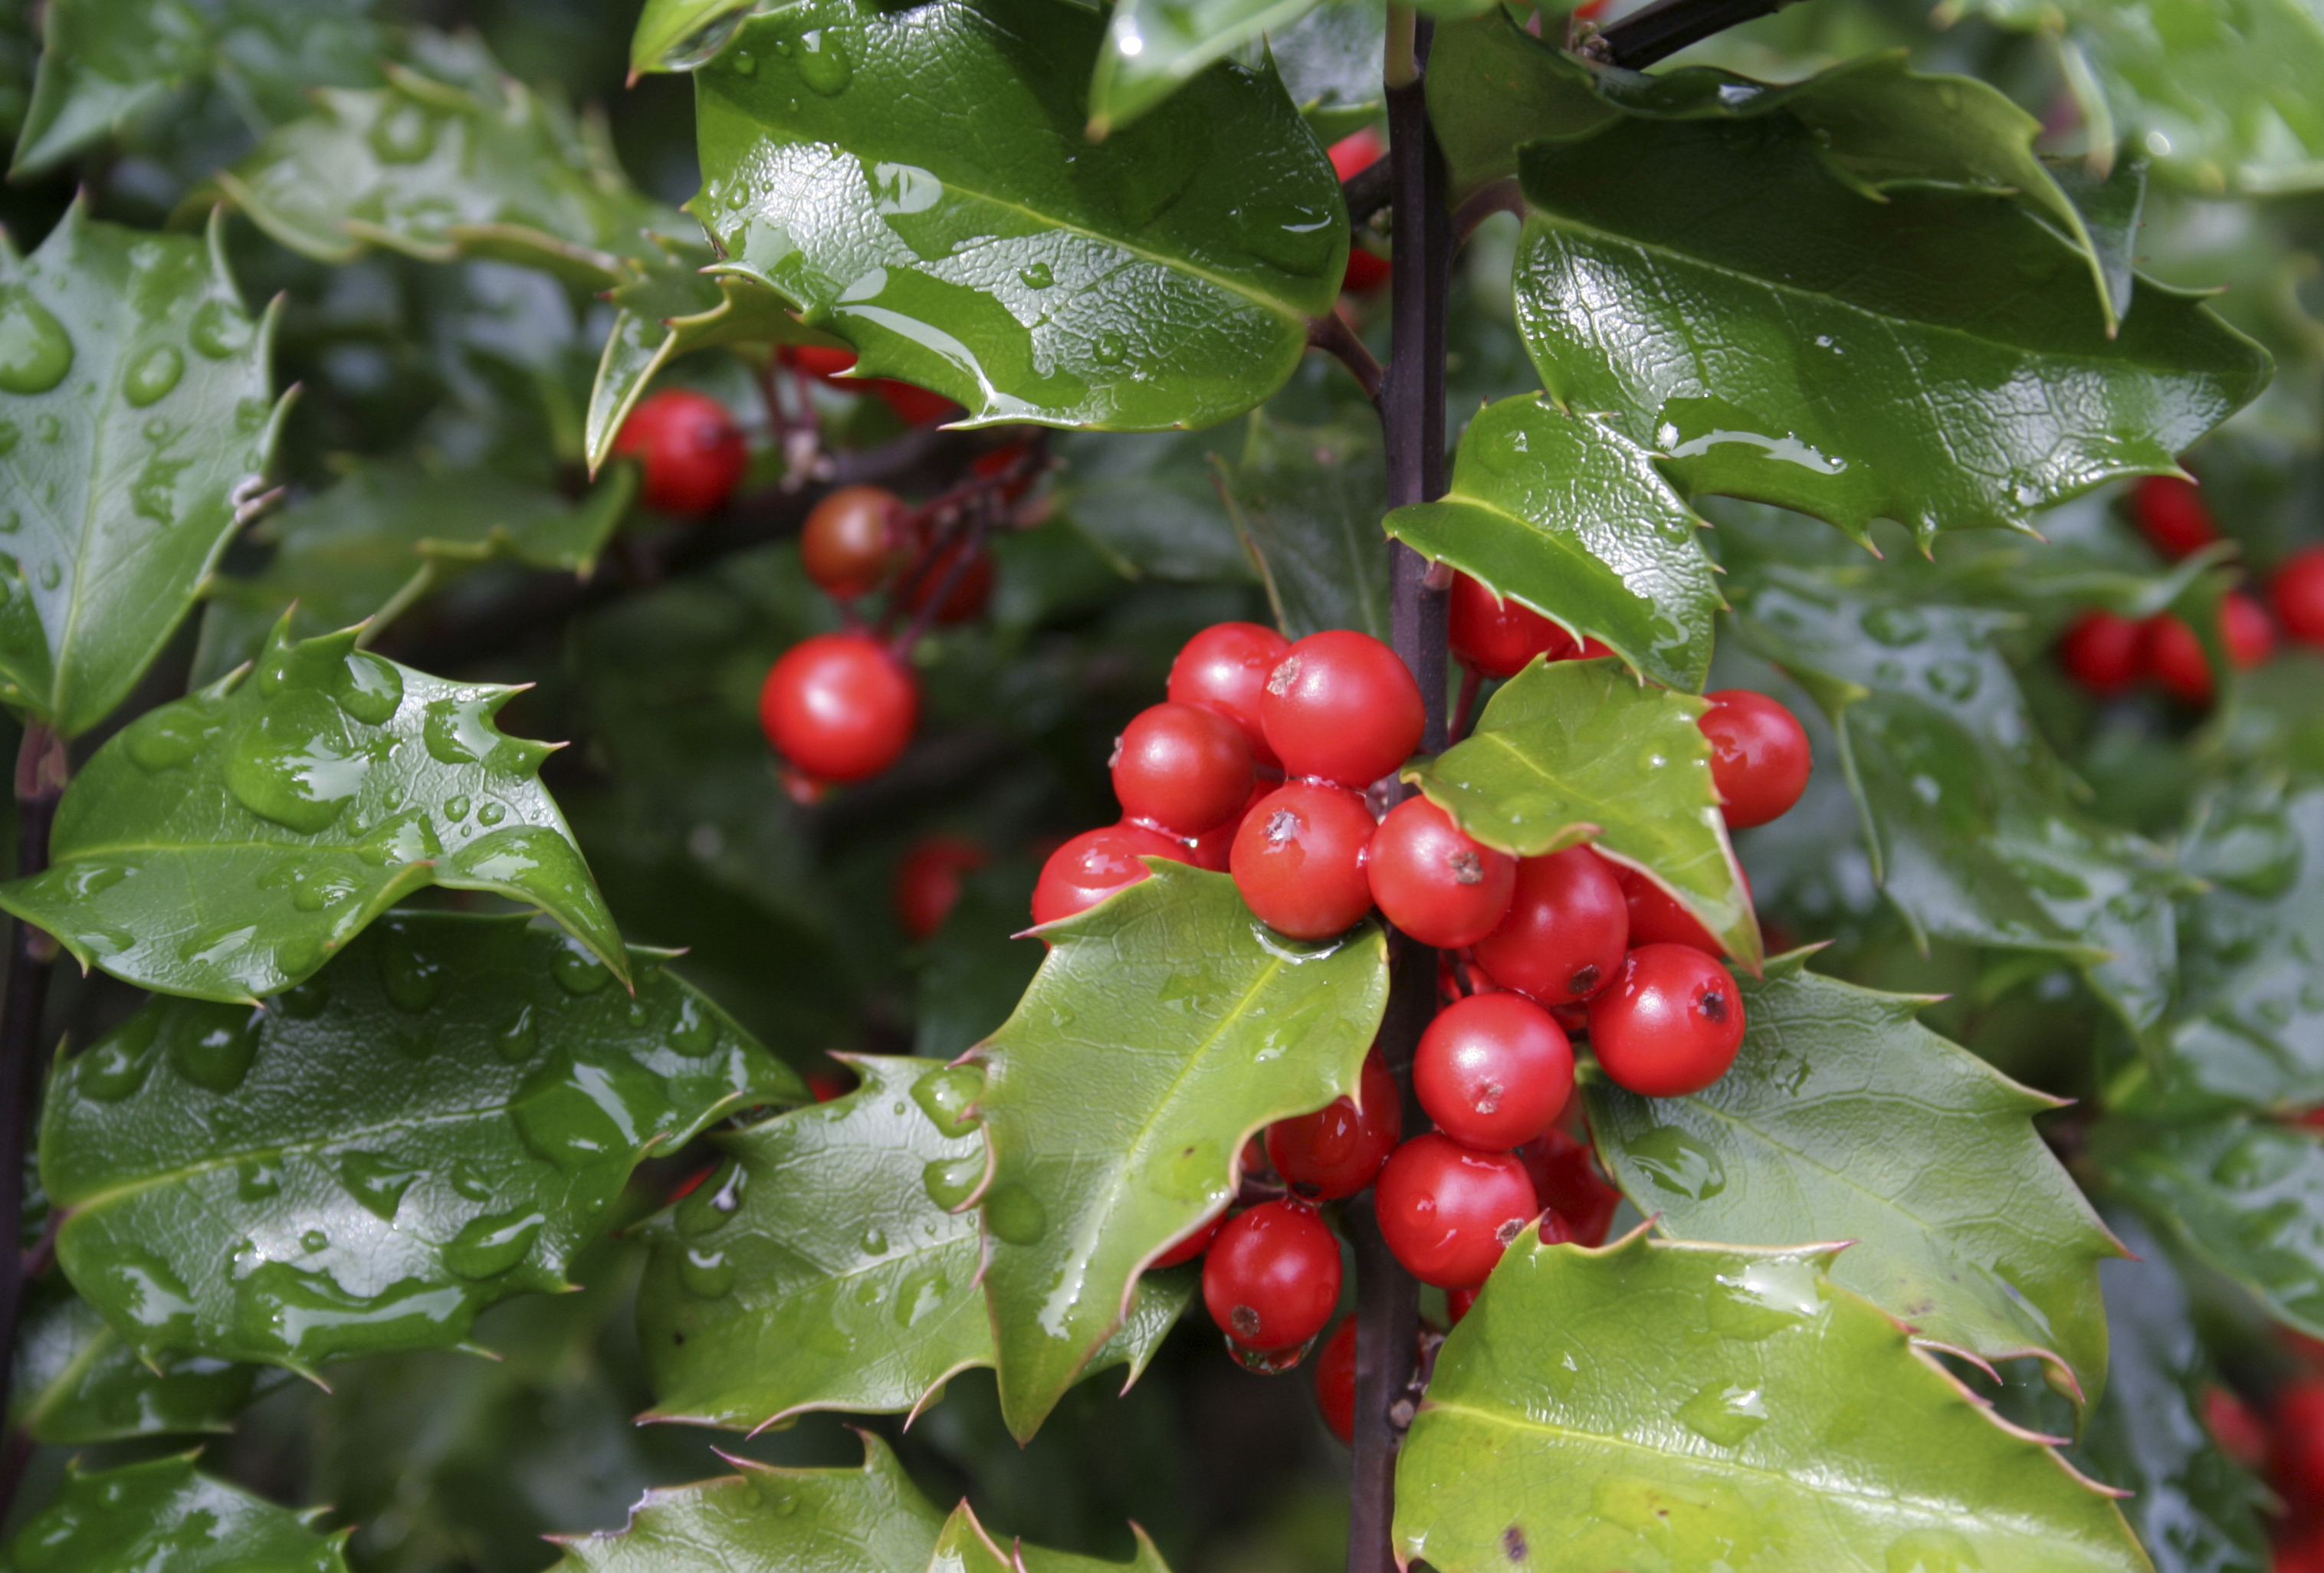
(138, 421)
(1764, 361)
(1577, 751)
(1331, 64)
(104, 66)
(1308, 502)
(437, 169)
(1492, 87)
(493, 1090)
(1166, 1027)
(1965, 1226)
(389, 535)
(1147, 282)
(1657, 1405)
(1569, 517)
(225, 845)
(1150, 503)
(161, 1517)
(820, 1268)
(1153, 48)
(2243, 1193)
(78, 1381)
(680, 36)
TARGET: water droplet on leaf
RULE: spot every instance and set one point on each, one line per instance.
(35, 351)
(220, 329)
(1015, 1214)
(153, 374)
(487, 1246)
(946, 1096)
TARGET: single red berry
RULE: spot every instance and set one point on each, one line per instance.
(832, 1080)
(914, 406)
(2240, 1433)
(1342, 707)
(1435, 882)
(839, 707)
(927, 882)
(1670, 1025)
(969, 593)
(1356, 152)
(2176, 656)
(1213, 848)
(1193, 1245)
(1298, 859)
(692, 452)
(2173, 516)
(823, 362)
(1495, 637)
(1457, 1302)
(2297, 1458)
(1224, 669)
(1566, 930)
(2297, 593)
(693, 1182)
(1566, 1178)
(1448, 1212)
(994, 461)
(1335, 1381)
(1758, 755)
(1337, 1150)
(854, 541)
(1182, 769)
(1272, 1276)
(1658, 917)
(2103, 653)
(1493, 1071)
(1366, 271)
(1094, 865)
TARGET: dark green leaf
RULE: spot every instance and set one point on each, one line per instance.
(817, 1269)
(78, 1381)
(225, 845)
(1845, 1119)
(493, 1088)
(137, 420)
(2244, 1194)
(1166, 1026)
(678, 35)
(1492, 87)
(1308, 502)
(2112, 207)
(1569, 517)
(161, 1517)
(1331, 64)
(1153, 48)
(1164, 277)
(1931, 356)
(1579, 751)
(1150, 503)
(1653, 1405)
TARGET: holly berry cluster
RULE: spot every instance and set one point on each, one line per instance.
(2109, 655)
(1274, 761)
(2279, 1434)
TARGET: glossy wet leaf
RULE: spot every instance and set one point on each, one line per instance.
(1569, 517)
(161, 1516)
(226, 845)
(1845, 1119)
(680, 36)
(1308, 502)
(436, 170)
(1153, 48)
(1657, 1405)
(1933, 356)
(1166, 1025)
(492, 1086)
(1331, 64)
(1150, 503)
(819, 1267)
(104, 66)
(1578, 750)
(389, 535)
(78, 1381)
(1164, 277)
(137, 422)
(2240, 1192)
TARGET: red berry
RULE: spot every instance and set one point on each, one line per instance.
(1565, 1178)
(1182, 768)
(693, 454)
(1356, 152)
(1341, 706)
(2176, 656)
(1758, 755)
(1457, 1302)
(1657, 917)
(2298, 1452)
(1272, 1276)
(914, 406)
(1337, 1150)
(1670, 1025)
(1434, 882)
(994, 461)
(2297, 593)
(1224, 669)
(2241, 1434)
(927, 882)
(1448, 1212)
(2251, 637)
(1496, 638)
(1493, 1071)
(853, 541)
(1094, 865)
(2173, 517)
(1298, 859)
(1215, 847)
(2103, 653)
(821, 362)
(1335, 1381)
(834, 1080)
(1566, 930)
(1366, 271)
(839, 707)
(969, 592)
(1193, 1245)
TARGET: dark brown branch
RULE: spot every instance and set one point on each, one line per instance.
(1330, 334)
(1661, 30)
